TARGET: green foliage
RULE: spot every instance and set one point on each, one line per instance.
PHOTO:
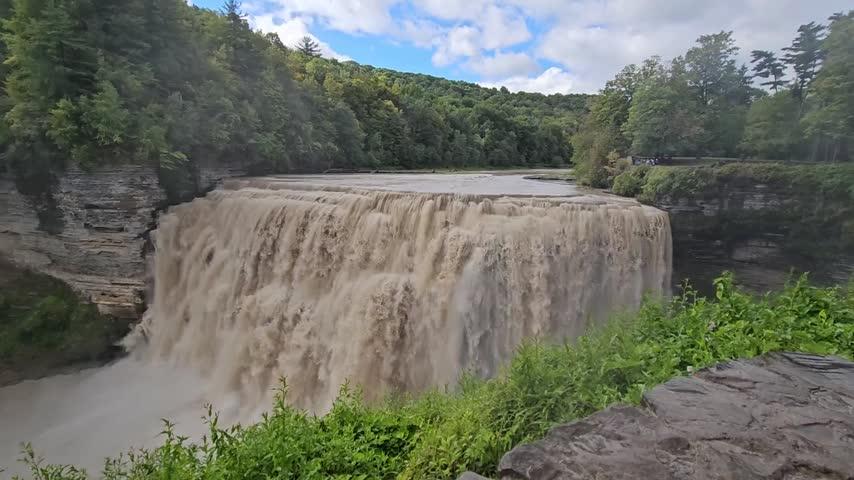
(662, 119)
(98, 82)
(831, 122)
(308, 47)
(805, 55)
(602, 133)
(630, 183)
(440, 435)
(773, 130)
(44, 324)
(703, 104)
(830, 182)
(768, 67)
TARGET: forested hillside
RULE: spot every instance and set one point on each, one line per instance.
(95, 82)
(704, 103)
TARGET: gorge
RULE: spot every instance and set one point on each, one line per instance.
(392, 282)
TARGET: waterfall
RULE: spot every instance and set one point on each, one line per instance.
(391, 291)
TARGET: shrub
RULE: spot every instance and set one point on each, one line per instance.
(630, 182)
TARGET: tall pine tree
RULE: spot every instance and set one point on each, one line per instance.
(767, 66)
(805, 56)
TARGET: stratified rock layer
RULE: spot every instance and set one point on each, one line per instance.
(759, 232)
(92, 231)
(783, 416)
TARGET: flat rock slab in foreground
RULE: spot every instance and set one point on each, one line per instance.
(783, 416)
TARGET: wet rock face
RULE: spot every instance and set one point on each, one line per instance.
(784, 416)
(92, 231)
(759, 232)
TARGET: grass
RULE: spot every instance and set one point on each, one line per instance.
(44, 325)
(439, 435)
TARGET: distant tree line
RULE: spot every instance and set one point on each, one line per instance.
(703, 103)
(94, 82)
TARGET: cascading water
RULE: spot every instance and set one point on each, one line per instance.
(389, 290)
(323, 282)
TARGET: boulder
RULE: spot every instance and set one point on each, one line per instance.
(781, 416)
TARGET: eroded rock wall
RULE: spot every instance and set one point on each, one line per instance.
(759, 232)
(91, 232)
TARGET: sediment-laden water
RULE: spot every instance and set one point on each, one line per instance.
(395, 282)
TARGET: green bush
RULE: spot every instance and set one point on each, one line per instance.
(630, 183)
(830, 181)
(439, 435)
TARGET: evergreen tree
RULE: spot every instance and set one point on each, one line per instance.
(308, 47)
(805, 55)
(766, 65)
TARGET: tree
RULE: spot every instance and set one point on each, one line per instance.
(165, 83)
(308, 47)
(831, 123)
(662, 119)
(805, 55)
(602, 132)
(232, 11)
(711, 69)
(274, 39)
(766, 65)
(721, 88)
(772, 129)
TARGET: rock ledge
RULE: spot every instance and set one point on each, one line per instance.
(782, 416)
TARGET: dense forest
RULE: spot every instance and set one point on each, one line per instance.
(704, 103)
(94, 82)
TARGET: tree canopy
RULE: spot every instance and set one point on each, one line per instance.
(703, 103)
(94, 82)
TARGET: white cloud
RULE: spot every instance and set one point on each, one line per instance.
(291, 31)
(553, 80)
(503, 65)
(458, 43)
(591, 40)
(596, 39)
(456, 10)
(349, 16)
(502, 28)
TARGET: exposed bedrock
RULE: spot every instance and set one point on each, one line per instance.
(91, 230)
(782, 416)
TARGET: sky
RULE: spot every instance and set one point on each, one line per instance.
(547, 46)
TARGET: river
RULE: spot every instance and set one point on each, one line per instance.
(393, 282)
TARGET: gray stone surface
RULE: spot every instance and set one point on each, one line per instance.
(471, 476)
(784, 416)
(98, 234)
(746, 229)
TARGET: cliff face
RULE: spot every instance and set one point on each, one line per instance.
(759, 232)
(92, 231)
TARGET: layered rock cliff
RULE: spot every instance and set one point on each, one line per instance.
(91, 230)
(762, 227)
